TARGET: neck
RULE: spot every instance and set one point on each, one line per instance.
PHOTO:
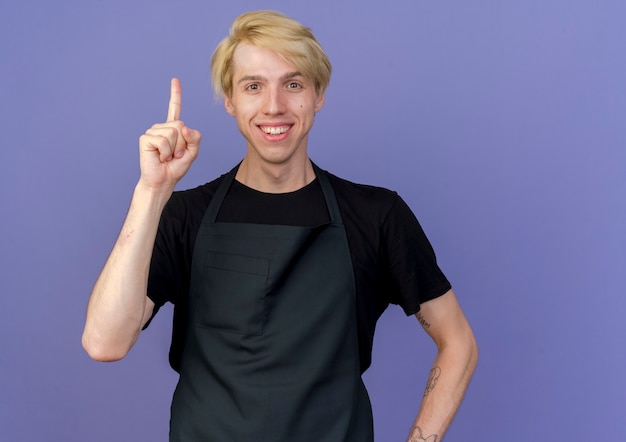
(275, 178)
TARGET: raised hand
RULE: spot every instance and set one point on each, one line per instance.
(118, 306)
(167, 150)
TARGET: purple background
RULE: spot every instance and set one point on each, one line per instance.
(501, 123)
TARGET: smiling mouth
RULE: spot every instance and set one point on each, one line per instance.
(272, 130)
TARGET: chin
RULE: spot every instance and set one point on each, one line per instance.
(275, 155)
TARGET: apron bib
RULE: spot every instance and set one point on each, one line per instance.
(271, 351)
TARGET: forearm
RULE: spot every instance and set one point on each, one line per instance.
(447, 382)
(117, 306)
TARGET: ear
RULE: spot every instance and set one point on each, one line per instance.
(228, 105)
(319, 102)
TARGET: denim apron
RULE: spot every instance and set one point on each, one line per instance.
(271, 351)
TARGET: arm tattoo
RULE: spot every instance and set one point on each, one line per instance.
(432, 380)
(423, 321)
(419, 437)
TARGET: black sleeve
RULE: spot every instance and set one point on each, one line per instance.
(411, 266)
(166, 266)
(170, 266)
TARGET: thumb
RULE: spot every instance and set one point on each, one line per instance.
(192, 137)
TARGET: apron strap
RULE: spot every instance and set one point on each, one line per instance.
(329, 195)
(216, 202)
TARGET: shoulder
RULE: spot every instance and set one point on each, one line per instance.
(363, 200)
(191, 202)
(183, 213)
(379, 214)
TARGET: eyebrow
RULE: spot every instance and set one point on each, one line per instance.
(287, 76)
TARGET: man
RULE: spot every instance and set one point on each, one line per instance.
(278, 270)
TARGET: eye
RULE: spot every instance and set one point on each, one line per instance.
(252, 87)
(293, 85)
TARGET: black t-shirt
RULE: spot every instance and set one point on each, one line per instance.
(393, 260)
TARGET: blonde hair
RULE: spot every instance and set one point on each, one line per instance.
(291, 40)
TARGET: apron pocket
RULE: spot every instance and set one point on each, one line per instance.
(233, 293)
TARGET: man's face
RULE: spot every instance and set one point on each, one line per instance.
(273, 103)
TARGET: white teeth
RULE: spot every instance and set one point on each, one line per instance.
(275, 130)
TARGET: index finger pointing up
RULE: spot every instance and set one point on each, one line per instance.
(176, 101)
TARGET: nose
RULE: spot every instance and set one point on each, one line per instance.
(274, 101)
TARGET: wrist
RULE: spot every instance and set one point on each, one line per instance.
(157, 195)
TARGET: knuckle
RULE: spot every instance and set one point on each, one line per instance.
(146, 138)
(163, 144)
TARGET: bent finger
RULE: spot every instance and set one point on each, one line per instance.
(157, 144)
(171, 134)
